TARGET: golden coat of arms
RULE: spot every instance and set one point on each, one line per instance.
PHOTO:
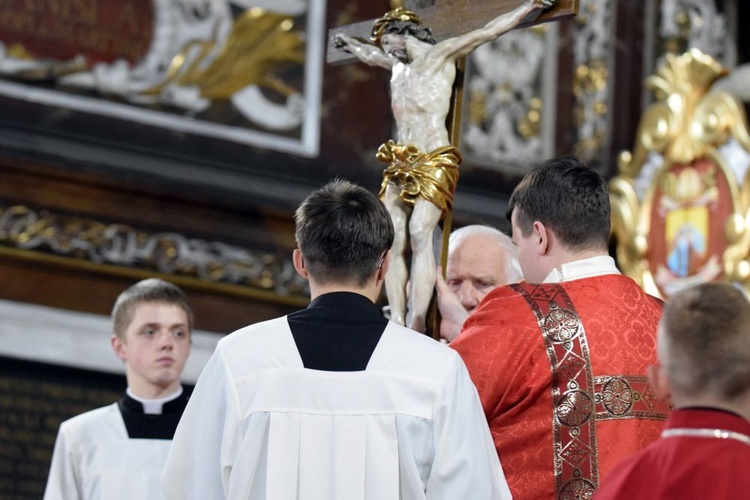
(680, 202)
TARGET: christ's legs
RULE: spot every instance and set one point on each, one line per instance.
(424, 220)
(395, 278)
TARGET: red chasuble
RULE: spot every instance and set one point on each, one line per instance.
(560, 369)
(705, 454)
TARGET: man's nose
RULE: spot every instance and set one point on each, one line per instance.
(166, 341)
(468, 296)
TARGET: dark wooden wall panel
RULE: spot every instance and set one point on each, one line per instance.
(53, 282)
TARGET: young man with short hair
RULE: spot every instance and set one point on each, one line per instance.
(334, 402)
(704, 370)
(118, 451)
(560, 361)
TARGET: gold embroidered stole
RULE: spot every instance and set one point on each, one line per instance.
(580, 399)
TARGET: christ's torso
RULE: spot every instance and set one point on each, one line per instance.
(420, 98)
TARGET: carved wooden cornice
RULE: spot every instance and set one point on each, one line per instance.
(41, 235)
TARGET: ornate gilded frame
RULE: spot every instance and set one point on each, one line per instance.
(689, 164)
(225, 69)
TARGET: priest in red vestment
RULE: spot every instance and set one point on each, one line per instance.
(704, 452)
(560, 361)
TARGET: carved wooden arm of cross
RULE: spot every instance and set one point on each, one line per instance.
(450, 18)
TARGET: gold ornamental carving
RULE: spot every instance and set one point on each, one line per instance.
(39, 235)
(219, 68)
(681, 198)
(259, 43)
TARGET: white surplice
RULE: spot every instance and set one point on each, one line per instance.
(95, 459)
(261, 426)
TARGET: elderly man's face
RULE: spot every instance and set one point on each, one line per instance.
(476, 266)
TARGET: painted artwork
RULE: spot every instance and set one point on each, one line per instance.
(247, 71)
(689, 205)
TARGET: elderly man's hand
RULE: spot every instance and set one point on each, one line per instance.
(452, 313)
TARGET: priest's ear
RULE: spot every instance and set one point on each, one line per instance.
(659, 381)
(299, 264)
(542, 236)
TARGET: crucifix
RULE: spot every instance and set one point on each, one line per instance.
(422, 171)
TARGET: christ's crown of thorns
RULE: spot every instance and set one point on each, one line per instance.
(399, 14)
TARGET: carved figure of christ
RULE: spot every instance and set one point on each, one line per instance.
(422, 77)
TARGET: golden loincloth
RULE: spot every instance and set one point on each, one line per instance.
(431, 176)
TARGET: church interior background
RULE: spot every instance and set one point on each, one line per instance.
(175, 138)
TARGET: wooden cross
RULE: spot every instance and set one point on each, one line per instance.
(450, 18)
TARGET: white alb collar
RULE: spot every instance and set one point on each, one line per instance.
(586, 268)
(154, 406)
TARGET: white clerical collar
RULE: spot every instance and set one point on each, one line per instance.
(586, 268)
(154, 406)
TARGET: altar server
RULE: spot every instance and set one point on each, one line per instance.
(334, 402)
(704, 370)
(118, 451)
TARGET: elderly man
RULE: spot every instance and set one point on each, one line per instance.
(480, 258)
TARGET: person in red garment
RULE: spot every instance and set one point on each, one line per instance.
(704, 452)
(560, 361)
